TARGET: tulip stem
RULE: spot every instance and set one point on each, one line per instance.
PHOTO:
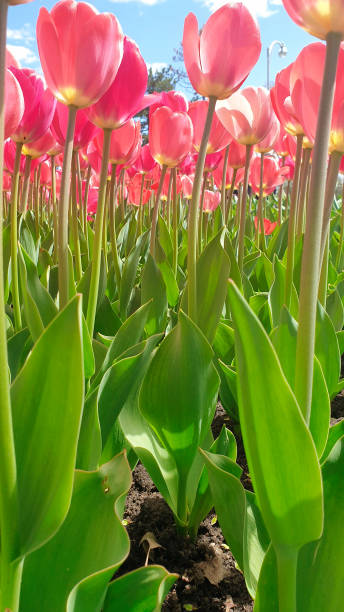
(193, 213)
(260, 215)
(10, 579)
(97, 246)
(230, 197)
(312, 241)
(54, 204)
(112, 221)
(174, 221)
(223, 186)
(83, 202)
(243, 203)
(14, 238)
(26, 184)
(75, 222)
(306, 156)
(156, 211)
(63, 269)
(292, 224)
(341, 238)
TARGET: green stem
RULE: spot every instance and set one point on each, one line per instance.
(193, 213)
(26, 184)
(140, 210)
(200, 221)
(97, 246)
(230, 197)
(243, 203)
(168, 203)
(112, 221)
(10, 581)
(75, 228)
(306, 156)
(156, 212)
(223, 186)
(287, 573)
(63, 271)
(331, 182)
(292, 223)
(83, 202)
(54, 203)
(14, 239)
(260, 216)
(175, 221)
(312, 242)
(322, 294)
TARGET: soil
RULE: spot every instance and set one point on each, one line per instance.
(209, 580)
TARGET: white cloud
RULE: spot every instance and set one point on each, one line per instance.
(23, 55)
(147, 2)
(261, 8)
(156, 66)
(24, 34)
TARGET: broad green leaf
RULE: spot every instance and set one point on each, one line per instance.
(276, 294)
(278, 242)
(129, 334)
(143, 590)
(284, 339)
(106, 322)
(335, 433)
(225, 445)
(179, 402)
(90, 439)
(255, 544)
(91, 543)
(85, 281)
(165, 239)
(234, 272)
(17, 350)
(280, 451)
(89, 362)
(228, 389)
(172, 289)
(153, 288)
(335, 310)
(224, 343)
(326, 344)
(229, 500)
(129, 274)
(47, 401)
(212, 275)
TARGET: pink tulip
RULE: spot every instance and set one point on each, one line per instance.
(218, 173)
(273, 175)
(318, 17)
(211, 58)
(14, 104)
(39, 106)
(285, 144)
(219, 137)
(211, 200)
(125, 97)
(187, 185)
(124, 142)
(247, 115)
(80, 51)
(212, 160)
(134, 191)
(237, 155)
(282, 104)
(43, 145)
(145, 162)
(173, 99)
(84, 129)
(170, 136)
(188, 165)
(9, 157)
(268, 143)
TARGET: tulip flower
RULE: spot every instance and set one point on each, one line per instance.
(11, 60)
(145, 162)
(124, 142)
(211, 200)
(211, 63)
(14, 104)
(39, 106)
(84, 130)
(317, 18)
(186, 186)
(273, 175)
(175, 100)
(170, 136)
(219, 137)
(211, 57)
(80, 51)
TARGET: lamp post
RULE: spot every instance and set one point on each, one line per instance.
(282, 53)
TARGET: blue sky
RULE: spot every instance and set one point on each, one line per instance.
(157, 27)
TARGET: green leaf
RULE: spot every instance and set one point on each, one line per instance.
(89, 361)
(47, 401)
(91, 543)
(280, 451)
(143, 590)
(129, 274)
(179, 402)
(212, 275)
(85, 281)
(276, 294)
(172, 289)
(326, 344)
(335, 310)
(165, 239)
(17, 349)
(153, 288)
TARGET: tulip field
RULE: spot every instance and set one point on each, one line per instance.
(172, 313)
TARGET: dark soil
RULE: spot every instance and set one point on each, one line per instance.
(208, 578)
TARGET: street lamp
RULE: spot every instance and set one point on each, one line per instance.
(282, 53)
